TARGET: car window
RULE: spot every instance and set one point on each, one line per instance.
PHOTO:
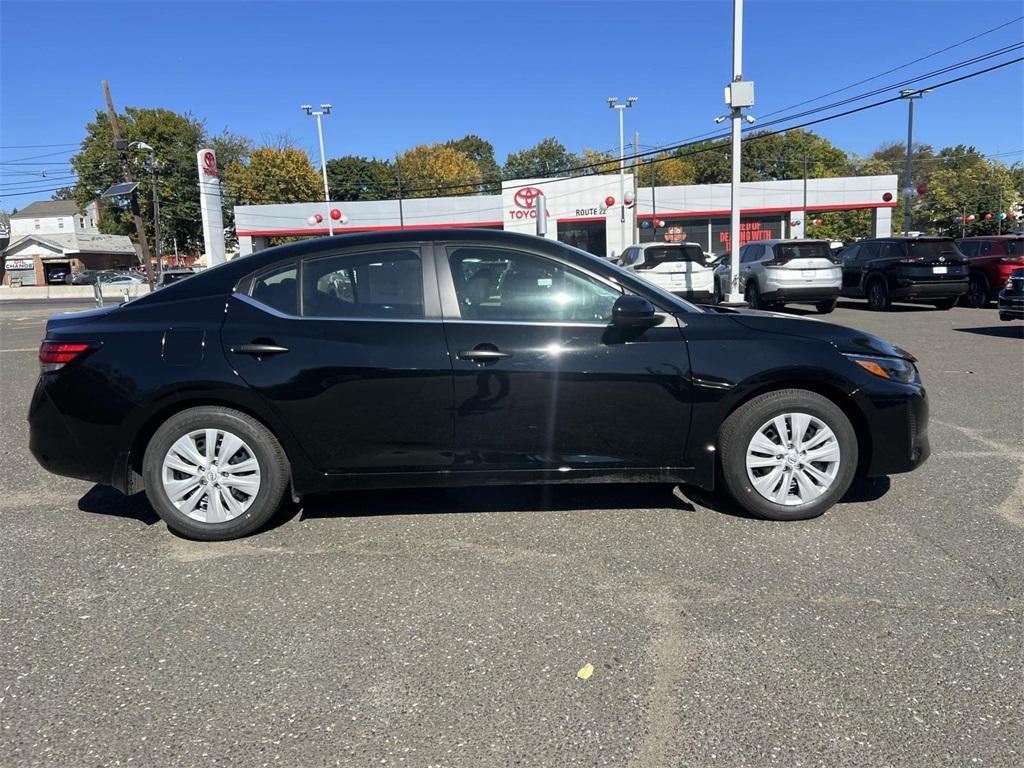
(984, 248)
(382, 284)
(658, 254)
(749, 253)
(968, 247)
(504, 285)
(931, 248)
(277, 289)
(849, 253)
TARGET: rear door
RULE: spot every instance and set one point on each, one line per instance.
(349, 349)
(542, 383)
(851, 271)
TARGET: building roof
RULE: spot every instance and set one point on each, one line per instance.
(71, 242)
(42, 209)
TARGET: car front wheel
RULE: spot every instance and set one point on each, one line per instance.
(787, 455)
(214, 474)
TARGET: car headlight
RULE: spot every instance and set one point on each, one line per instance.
(893, 368)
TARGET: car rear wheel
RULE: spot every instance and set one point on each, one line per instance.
(977, 292)
(753, 296)
(787, 455)
(945, 303)
(214, 474)
(878, 294)
(717, 297)
(825, 307)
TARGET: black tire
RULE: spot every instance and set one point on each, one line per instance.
(825, 307)
(877, 293)
(945, 304)
(270, 457)
(977, 295)
(753, 296)
(740, 427)
(716, 297)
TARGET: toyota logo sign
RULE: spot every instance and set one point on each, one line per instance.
(209, 163)
(524, 197)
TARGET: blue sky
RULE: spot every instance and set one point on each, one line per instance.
(401, 74)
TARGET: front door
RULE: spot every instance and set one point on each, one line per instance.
(355, 362)
(542, 382)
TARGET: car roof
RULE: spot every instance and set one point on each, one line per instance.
(785, 241)
(662, 245)
(1019, 236)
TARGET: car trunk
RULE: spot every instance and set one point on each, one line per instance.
(677, 267)
(932, 261)
(807, 263)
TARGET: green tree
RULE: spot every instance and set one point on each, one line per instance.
(666, 169)
(273, 175)
(546, 158)
(967, 183)
(601, 162)
(64, 193)
(432, 170)
(175, 139)
(352, 177)
(769, 156)
(480, 152)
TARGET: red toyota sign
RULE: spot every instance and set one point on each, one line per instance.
(209, 163)
(524, 197)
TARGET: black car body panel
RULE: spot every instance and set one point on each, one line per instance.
(1011, 297)
(938, 272)
(380, 402)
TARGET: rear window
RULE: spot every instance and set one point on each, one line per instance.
(932, 248)
(1015, 248)
(808, 250)
(659, 254)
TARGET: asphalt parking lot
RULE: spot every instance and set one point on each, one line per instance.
(443, 628)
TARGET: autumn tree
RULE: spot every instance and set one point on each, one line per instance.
(665, 169)
(480, 152)
(273, 175)
(544, 159)
(433, 170)
(351, 177)
(967, 183)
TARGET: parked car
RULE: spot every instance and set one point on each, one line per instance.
(680, 268)
(86, 276)
(169, 276)
(121, 278)
(1011, 298)
(928, 270)
(57, 275)
(774, 273)
(370, 361)
(990, 260)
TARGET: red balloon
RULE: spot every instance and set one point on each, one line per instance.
(335, 214)
(817, 222)
(319, 218)
(609, 201)
(922, 188)
(970, 217)
(887, 197)
(988, 217)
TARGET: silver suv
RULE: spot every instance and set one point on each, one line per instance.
(776, 272)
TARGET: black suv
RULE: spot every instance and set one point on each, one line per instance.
(928, 270)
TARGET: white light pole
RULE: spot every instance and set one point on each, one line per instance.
(325, 109)
(908, 185)
(613, 102)
(738, 94)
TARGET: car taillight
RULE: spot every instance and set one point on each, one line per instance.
(1012, 260)
(54, 355)
(911, 260)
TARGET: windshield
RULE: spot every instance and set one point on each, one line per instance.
(927, 249)
(808, 250)
(660, 254)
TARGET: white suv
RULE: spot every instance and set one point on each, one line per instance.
(778, 272)
(681, 268)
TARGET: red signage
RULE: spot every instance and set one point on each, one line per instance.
(749, 230)
(525, 200)
(209, 163)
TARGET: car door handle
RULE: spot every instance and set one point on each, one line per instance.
(483, 355)
(258, 350)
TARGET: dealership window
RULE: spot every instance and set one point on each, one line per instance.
(501, 285)
(277, 289)
(36, 222)
(375, 284)
(60, 223)
(81, 222)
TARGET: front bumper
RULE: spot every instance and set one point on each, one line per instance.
(897, 420)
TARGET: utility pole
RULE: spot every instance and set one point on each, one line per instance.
(805, 195)
(325, 109)
(654, 206)
(613, 102)
(401, 213)
(738, 94)
(636, 187)
(908, 186)
(122, 154)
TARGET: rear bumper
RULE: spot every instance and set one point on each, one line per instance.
(55, 446)
(906, 290)
(802, 293)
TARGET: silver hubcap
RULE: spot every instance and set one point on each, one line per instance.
(211, 475)
(793, 459)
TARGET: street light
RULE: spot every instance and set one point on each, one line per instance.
(613, 103)
(141, 145)
(908, 188)
(325, 109)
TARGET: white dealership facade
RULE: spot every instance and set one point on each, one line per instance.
(587, 212)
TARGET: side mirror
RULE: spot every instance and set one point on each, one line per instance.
(634, 312)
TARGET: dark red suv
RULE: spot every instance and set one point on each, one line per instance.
(991, 259)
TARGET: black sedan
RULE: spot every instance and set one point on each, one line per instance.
(458, 357)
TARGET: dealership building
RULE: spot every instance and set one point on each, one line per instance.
(588, 212)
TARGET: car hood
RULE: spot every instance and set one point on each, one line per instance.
(844, 339)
